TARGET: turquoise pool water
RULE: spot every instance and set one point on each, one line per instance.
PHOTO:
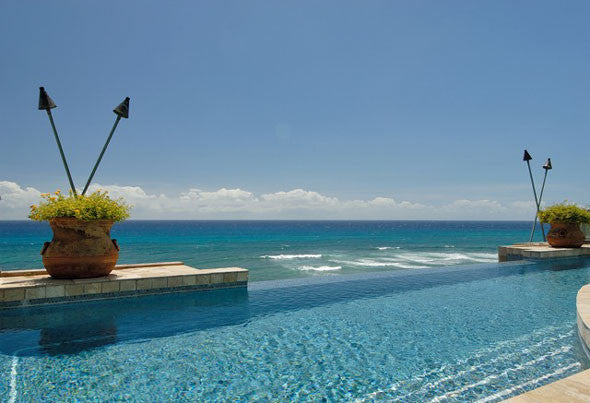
(482, 332)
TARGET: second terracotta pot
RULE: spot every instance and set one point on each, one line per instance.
(565, 235)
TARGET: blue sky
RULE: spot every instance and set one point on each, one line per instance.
(426, 102)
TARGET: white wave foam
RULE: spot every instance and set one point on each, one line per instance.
(378, 263)
(319, 268)
(290, 257)
(446, 258)
(388, 247)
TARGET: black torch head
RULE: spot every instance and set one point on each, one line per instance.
(45, 102)
(526, 156)
(123, 109)
(548, 165)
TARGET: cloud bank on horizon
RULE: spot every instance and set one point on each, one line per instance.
(293, 204)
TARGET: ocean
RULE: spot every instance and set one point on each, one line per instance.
(274, 250)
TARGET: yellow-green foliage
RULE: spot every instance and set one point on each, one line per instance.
(97, 206)
(565, 212)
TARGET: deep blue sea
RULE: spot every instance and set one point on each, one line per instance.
(286, 249)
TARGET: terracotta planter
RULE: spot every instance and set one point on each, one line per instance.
(80, 249)
(565, 235)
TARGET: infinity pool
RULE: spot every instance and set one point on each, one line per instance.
(482, 332)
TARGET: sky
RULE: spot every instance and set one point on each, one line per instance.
(299, 109)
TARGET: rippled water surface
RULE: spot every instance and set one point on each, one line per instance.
(287, 249)
(462, 333)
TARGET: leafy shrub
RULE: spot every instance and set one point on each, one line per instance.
(97, 206)
(565, 212)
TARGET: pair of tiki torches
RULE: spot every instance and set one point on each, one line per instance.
(46, 103)
(527, 157)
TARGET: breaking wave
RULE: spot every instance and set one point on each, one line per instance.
(378, 263)
(319, 268)
(290, 257)
(419, 260)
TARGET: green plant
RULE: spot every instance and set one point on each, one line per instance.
(97, 206)
(565, 212)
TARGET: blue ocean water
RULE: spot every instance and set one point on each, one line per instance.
(463, 333)
(286, 249)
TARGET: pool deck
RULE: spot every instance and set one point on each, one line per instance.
(539, 250)
(35, 287)
(583, 315)
(575, 388)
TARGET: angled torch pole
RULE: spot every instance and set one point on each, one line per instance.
(46, 103)
(527, 157)
(546, 167)
(122, 111)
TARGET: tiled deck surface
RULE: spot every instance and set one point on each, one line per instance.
(575, 388)
(538, 250)
(583, 313)
(36, 287)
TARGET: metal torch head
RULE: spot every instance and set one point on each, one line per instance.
(526, 156)
(548, 165)
(123, 109)
(45, 102)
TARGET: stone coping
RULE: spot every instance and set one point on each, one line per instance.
(37, 287)
(539, 250)
(583, 316)
(575, 388)
(36, 272)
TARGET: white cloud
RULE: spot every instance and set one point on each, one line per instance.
(15, 197)
(293, 204)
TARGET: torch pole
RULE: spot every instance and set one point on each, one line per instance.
(61, 152)
(536, 201)
(101, 154)
(539, 203)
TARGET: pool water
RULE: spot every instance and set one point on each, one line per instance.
(483, 332)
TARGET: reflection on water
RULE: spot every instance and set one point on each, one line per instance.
(72, 328)
(74, 339)
(567, 264)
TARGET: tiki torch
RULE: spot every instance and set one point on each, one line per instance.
(122, 111)
(546, 167)
(527, 157)
(45, 102)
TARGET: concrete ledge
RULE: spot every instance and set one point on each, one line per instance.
(583, 315)
(575, 388)
(36, 287)
(538, 250)
(36, 272)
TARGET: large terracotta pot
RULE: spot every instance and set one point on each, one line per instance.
(80, 249)
(565, 235)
